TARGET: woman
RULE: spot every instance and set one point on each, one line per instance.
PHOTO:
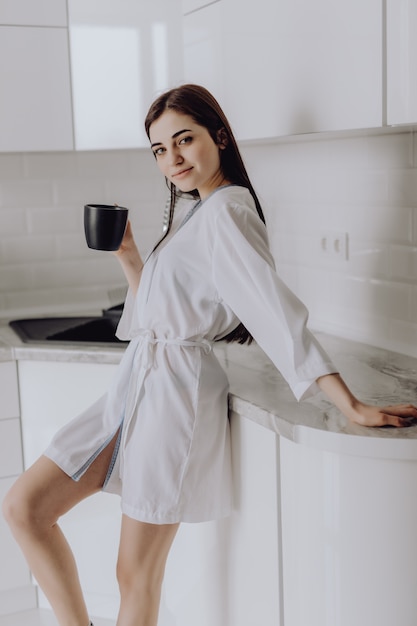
(160, 437)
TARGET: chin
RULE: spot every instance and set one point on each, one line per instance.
(186, 188)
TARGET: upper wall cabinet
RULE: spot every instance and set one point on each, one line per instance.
(123, 54)
(292, 67)
(35, 106)
(193, 5)
(203, 60)
(86, 84)
(33, 12)
(401, 62)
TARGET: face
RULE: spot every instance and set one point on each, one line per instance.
(186, 154)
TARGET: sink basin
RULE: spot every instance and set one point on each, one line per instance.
(70, 329)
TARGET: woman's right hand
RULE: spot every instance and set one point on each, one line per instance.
(130, 259)
(128, 242)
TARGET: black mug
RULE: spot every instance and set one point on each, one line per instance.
(104, 225)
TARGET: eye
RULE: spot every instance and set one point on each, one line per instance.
(159, 151)
(186, 139)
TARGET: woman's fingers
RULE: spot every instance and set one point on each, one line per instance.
(400, 415)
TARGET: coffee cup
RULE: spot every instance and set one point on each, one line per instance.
(104, 225)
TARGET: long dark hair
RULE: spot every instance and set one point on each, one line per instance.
(203, 108)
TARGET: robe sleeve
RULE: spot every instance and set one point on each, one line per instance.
(245, 278)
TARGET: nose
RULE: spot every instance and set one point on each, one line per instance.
(175, 157)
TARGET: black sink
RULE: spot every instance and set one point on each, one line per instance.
(99, 329)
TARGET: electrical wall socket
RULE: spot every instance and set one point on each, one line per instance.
(334, 245)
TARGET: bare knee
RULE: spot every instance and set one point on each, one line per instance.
(18, 509)
(139, 580)
(143, 553)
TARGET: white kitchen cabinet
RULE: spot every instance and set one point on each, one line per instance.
(33, 12)
(35, 107)
(227, 572)
(348, 523)
(254, 541)
(295, 67)
(203, 41)
(11, 463)
(122, 55)
(223, 572)
(16, 590)
(51, 393)
(195, 5)
(9, 405)
(329, 65)
(401, 62)
(88, 87)
(10, 447)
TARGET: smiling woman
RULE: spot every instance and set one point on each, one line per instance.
(186, 154)
(160, 438)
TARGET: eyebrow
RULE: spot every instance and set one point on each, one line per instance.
(174, 136)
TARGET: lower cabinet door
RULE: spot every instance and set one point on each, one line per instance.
(227, 572)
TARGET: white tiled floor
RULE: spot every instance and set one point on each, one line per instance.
(40, 617)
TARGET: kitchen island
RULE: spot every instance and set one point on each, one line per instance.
(325, 510)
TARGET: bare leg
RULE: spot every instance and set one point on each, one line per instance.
(32, 507)
(143, 553)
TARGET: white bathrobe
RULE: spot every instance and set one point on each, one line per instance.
(172, 461)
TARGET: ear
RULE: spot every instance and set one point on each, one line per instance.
(222, 138)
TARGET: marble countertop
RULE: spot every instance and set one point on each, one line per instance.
(258, 391)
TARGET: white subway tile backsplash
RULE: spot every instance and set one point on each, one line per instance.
(368, 259)
(144, 198)
(404, 263)
(414, 225)
(413, 305)
(68, 194)
(364, 185)
(68, 273)
(73, 246)
(26, 249)
(403, 187)
(25, 193)
(54, 220)
(11, 166)
(12, 222)
(57, 301)
(49, 166)
(403, 337)
(378, 223)
(15, 277)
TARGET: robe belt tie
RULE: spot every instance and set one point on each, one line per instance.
(143, 361)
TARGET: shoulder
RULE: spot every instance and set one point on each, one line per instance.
(231, 201)
(232, 217)
(231, 195)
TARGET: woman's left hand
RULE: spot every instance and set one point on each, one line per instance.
(399, 415)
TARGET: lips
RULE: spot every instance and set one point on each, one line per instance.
(182, 173)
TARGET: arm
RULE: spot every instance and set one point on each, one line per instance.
(130, 259)
(247, 281)
(364, 414)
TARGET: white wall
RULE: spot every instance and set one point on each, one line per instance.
(363, 185)
(45, 264)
